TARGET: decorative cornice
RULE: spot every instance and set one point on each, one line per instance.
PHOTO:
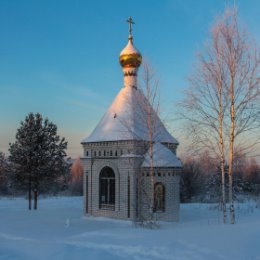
(130, 73)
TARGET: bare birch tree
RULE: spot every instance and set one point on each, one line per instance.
(76, 177)
(222, 106)
(242, 82)
(205, 106)
(147, 127)
(150, 108)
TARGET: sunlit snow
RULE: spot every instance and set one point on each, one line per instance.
(126, 119)
(162, 157)
(58, 230)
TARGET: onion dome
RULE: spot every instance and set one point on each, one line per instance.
(130, 57)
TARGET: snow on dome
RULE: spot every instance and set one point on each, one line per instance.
(126, 120)
(129, 49)
(130, 57)
(162, 157)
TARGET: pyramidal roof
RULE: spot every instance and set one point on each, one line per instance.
(127, 119)
(162, 157)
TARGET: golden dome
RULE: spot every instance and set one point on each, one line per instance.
(130, 57)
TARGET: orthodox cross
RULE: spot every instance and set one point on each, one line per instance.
(131, 22)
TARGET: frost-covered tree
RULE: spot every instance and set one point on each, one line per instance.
(252, 173)
(76, 178)
(191, 179)
(144, 124)
(3, 173)
(222, 105)
(196, 176)
(214, 186)
(149, 107)
(37, 156)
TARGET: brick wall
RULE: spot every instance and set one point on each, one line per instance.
(125, 160)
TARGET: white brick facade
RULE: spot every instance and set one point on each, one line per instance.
(125, 159)
(115, 183)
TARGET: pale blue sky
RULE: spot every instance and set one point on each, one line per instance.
(60, 58)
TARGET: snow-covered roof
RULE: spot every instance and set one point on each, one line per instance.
(126, 119)
(162, 157)
(131, 155)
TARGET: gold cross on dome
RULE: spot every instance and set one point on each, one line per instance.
(130, 22)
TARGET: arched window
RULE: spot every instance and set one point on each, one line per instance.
(159, 197)
(107, 188)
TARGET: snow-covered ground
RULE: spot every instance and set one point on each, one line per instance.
(58, 230)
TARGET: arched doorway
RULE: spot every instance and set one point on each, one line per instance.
(107, 188)
(159, 197)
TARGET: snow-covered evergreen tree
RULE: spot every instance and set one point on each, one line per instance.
(213, 187)
(192, 179)
(3, 173)
(37, 156)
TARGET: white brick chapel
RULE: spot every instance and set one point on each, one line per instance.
(118, 156)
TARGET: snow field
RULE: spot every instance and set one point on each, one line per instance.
(58, 230)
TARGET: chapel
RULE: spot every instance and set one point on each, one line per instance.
(131, 170)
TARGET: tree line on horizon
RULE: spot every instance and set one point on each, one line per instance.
(201, 178)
